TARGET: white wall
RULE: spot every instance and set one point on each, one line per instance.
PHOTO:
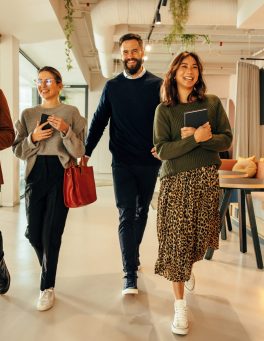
(217, 85)
(232, 87)
(101, 158)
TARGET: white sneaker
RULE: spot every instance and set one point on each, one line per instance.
(180, 322)
(46, 299)
(190, 284)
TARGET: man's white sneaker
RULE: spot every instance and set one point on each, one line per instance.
(180, 321)
(46, 299)
(190, 284)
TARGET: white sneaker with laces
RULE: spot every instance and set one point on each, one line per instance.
(190, 284)
(46, 299)
(180, 321)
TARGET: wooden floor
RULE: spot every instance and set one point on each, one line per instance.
(228, 303)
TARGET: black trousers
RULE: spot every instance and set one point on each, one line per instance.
(46, 214)
(134, 187)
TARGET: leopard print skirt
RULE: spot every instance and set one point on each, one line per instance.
(188, 221)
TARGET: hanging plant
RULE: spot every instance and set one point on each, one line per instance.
(68, 29)
(188, 40)
(179, 10)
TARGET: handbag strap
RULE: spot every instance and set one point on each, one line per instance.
(72, 162)
(84, 160)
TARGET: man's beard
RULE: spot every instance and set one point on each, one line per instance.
(132, 70)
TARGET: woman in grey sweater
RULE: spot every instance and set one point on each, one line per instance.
(47, 149)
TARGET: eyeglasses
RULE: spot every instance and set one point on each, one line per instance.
(47, 82)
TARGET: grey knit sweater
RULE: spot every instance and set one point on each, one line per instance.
(181, 155)
(65, 147)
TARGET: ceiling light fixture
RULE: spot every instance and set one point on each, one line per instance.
(156, 16)
(148, 47)
(251, 58)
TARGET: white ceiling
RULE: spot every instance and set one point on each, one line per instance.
(235, 28)
(41, 37)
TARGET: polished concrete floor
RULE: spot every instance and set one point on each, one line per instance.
(228, 303)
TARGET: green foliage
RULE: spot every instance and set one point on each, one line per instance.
(68, 29)
(188, 40)
(180, 12)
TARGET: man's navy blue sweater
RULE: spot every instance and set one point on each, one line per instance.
(130, 105)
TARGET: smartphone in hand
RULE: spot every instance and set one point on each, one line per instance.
(43, 119)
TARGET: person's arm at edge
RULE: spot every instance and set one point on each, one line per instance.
(7, 133)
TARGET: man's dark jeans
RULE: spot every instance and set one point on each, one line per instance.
(134, 187)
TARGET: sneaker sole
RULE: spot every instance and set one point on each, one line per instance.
(44, 309)
(40, 308)
(130, 291)
(179, 331)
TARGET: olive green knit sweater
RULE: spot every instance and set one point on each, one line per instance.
(179, 154)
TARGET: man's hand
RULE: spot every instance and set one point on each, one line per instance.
(154, 153)
(85, 159)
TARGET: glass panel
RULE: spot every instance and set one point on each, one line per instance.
(74, 96)
(28, 97)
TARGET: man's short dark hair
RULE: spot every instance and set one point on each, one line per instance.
(131, 36)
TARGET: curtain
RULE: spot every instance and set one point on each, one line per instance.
(248, 132)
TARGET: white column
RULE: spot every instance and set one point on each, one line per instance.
(9, 83)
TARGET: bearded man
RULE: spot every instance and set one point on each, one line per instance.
(129, 101)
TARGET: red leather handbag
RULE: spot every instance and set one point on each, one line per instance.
(79, 185)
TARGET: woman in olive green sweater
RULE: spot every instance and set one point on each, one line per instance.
(188, 206)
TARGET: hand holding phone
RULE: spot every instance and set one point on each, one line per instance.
(43, 119)
(42, 133)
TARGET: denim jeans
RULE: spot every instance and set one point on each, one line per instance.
(134, 186)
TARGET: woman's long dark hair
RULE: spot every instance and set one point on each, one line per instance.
(169, 91)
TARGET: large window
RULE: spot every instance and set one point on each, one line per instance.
(28, 97)
(76, 95)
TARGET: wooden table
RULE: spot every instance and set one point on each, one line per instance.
(229, 174)
(245, 187)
